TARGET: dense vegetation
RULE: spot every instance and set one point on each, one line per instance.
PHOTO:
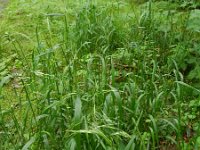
(113, 75)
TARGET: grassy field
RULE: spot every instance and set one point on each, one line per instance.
(94, 75)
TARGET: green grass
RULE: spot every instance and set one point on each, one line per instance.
(99, 75)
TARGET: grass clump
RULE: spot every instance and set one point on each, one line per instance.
(99, 75)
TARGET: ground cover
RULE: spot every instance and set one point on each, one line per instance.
(99, 75)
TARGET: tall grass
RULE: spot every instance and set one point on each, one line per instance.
(98, 77)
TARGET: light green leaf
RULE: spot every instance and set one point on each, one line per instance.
(77, 110)
(29, 143)
(5, 80)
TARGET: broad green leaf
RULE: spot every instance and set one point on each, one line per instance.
(5, 80)
(77, 110)
(28, 144)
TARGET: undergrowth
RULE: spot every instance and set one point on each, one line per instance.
(99, 75)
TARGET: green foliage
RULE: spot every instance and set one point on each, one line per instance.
(100, 75)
